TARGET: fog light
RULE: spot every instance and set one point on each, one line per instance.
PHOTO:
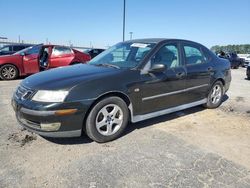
(50, 126)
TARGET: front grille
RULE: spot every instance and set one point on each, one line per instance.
(23, 93)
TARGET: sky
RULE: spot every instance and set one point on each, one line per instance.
(98, 23)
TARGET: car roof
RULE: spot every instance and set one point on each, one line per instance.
(55, 45)
(158, 40)
(18, 45)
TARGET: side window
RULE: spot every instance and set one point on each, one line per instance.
(33, 50)
(193, 55)
(58, 50)
(168, 55)
(18, 48)
(5, 49)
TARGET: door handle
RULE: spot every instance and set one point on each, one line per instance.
(180, 74)
(209, 68)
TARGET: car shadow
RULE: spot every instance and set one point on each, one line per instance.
(164, 118)
(168, 117)
(225, 98)
(133, 126)
(84, 139)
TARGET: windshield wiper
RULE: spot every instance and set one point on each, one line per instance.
(108, 65)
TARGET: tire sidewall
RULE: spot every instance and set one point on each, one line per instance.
(209, 102)
(91, 129)
(8, 65)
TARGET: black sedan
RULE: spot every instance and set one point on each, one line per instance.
(132, 81)
(248, 71)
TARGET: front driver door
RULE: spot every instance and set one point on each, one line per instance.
(30, 59)
(162, 90)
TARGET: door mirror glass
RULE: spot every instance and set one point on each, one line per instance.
(157, 68)
(22, 53)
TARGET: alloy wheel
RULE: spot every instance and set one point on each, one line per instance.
(109, 119)
(216, 94)
(8, 72)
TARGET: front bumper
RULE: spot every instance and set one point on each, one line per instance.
(42, 118)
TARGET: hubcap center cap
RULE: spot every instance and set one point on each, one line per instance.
(109, 119)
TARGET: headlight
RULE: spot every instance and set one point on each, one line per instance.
(50, 96)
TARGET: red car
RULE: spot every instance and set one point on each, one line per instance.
(38, 58)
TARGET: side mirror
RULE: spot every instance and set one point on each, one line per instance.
(22, 54)
(157, 68)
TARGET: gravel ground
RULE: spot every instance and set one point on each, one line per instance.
(192, 148)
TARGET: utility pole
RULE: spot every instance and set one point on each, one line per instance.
(131, 35)
(124, 19)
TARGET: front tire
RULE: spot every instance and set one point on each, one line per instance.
(8, 72)
(107, 119)
(215, 95)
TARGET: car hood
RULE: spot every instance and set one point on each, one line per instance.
(64, 78)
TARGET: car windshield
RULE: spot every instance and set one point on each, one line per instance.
(87, 50)
(123, 55)
(29, 50)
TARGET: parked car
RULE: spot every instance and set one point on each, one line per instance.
(132, 81)
(247, 61)
(38, 58)
(248, 71)
(93, 52)
(235, 61)
(11, 49)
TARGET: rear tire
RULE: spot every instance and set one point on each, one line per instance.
(107, 119)
(8, 72)
(215, 95)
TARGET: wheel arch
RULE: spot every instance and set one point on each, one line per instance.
(221, 80)
(119, 94)
(216, 80)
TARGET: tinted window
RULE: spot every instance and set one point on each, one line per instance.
(33, 50)
(18, 48)
(193, 55)
(5, 49)
(59, 50)
(207, 54)
(167, 55)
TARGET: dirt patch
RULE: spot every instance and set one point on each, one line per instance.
(240, 99)
(21, 139)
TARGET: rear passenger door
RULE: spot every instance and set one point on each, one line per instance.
(61, 56)
(199, 71)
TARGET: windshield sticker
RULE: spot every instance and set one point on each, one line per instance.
(139, 45)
